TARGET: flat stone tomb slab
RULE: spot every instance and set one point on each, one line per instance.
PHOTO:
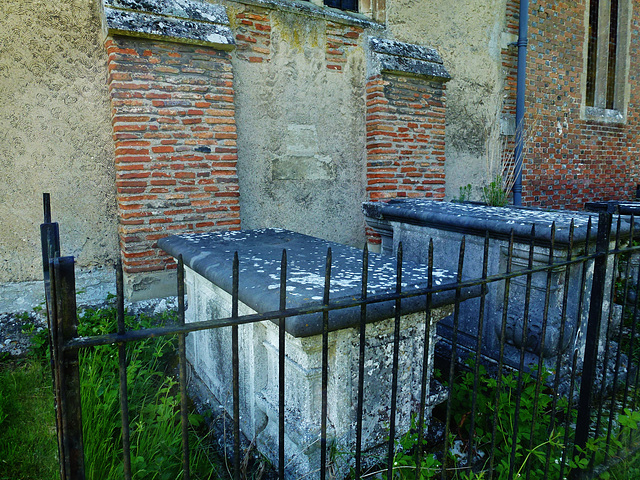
(208, 261)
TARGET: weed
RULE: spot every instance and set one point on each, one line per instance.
(495, 194)
(465, 193)
(405, 461)
(537, 445)
(156, 442)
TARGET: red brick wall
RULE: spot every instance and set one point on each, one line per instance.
(339, 39)
(569, 160)
(405, 127)
(174, 128)
(253, 35)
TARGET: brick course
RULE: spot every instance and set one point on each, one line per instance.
(253, 35)
(173, 120)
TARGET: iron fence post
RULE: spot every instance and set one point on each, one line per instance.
(65, 323)
(50, 245)
(593, 331)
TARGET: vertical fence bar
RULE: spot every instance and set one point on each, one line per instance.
(503, 331)
(52, 317)
(476, 370)
(612, 410)
(593, 331)
(281, 362)
(605, 362)
(361, 354)
(424, 387)
(572, 383)
(525, 328)
(394, 368)
(634, 317)
(567, 429)
(325, 368)
(66, 324)
(50, 242)
(235, 360)
(563, 324)
(46, 204)
(50, 245)
(182, 354)
(543, 335)
(122, 364)
(453, 359)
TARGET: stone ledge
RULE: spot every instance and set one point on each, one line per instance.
(190, 9)
(474, 219)
(260, 251)
(604, 115)
(406, 59)
(183, 21)
(401, 49)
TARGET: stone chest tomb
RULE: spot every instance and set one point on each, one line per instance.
(415, 221)
(208, 273)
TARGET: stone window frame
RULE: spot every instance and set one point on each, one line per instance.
(603, 101)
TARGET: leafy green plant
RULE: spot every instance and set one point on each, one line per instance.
(496, 413)
(495, 193)
(405, 461)
(538, 445)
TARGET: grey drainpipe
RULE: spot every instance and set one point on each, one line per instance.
(520, 91)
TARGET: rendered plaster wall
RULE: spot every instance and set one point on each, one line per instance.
(299, 83)
(468, 36)
(55, 136)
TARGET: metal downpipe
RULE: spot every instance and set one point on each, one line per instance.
(523, 41)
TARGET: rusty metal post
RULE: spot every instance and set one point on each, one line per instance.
(182, 364)
(593, 332)
(50, 244)
(65, 328)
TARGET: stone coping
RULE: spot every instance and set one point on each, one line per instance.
(186, 21)
(260, 253)
(476, 219)
(304, 7)
(406, 59)
(614, 206)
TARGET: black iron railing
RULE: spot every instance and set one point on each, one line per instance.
(602, 380)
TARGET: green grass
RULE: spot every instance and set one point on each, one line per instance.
(28, 445)
(154, 406)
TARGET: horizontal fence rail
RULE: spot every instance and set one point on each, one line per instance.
(515, 414)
